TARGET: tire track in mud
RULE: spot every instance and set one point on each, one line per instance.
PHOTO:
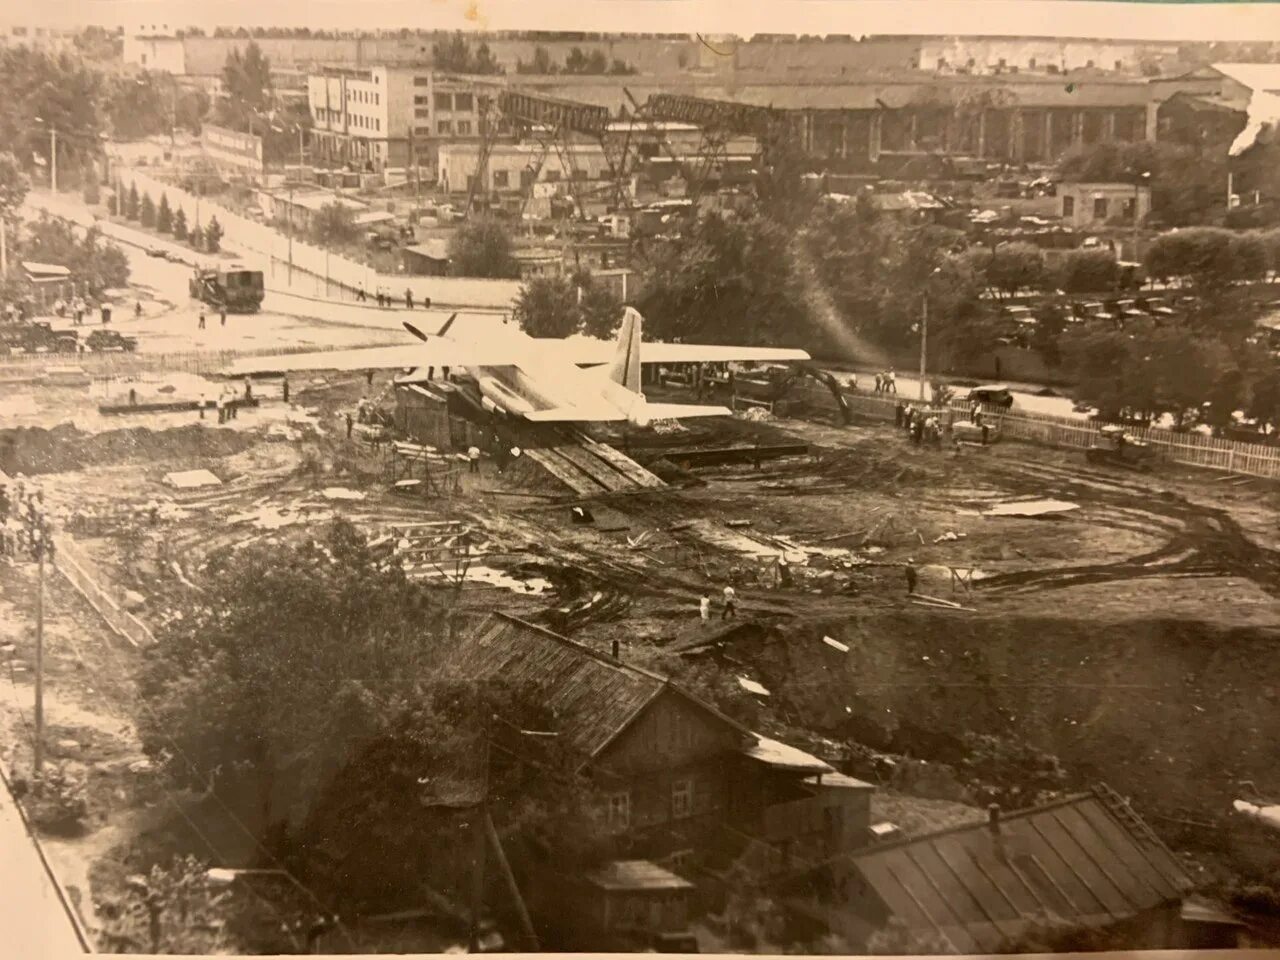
(1204, 541)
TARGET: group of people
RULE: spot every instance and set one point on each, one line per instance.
(920, 424)
(222, 315)
(887, 382)
(384, 298)
(728, 611)
(76, 307)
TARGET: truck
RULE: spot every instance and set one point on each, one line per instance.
(236, 287)
(36, 337)
(103, 341)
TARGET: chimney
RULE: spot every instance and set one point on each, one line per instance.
(993, 817)
(617, 647)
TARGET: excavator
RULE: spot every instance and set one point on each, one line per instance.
(776, 381)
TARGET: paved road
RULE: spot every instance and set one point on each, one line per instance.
(33, 920)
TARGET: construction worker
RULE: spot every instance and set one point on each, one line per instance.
(248, 388)
(704, 607)
(909, 572)
(730, 604)
(200, 325)
(408, 298)
(222, 409)
(350, 422)
(202, 403)
(137, 311)
(899, 409)
(891, 382)
(473, 459)
(222, 313)
(284, 387)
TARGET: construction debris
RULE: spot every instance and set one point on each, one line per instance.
(836, 644)
(192, 479)
(751, 686)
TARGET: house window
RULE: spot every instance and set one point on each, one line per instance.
(422, 101)
(422, 81)
(462, 101)
(377, 124)
(444, 101)
(464, 127)
(942, 63)
(1119, 64)
(619, 812)
(1068, 206)
(499, 179)
(422, 113)
(144, 59)
(971, 63)
(1088, 64)
(1003, 64)
(444, 126)
(1099, 208)
(1031, 64)
(423, 130)
(681, 799)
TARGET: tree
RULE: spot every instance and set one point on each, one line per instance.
(334, 224)
(164, 216)
(482, 248)
(277, 667)
(132, 207)
(90, 259)
(547, 307)
(246, 83)
(725, 281)
(599, 309)
(1016, 267)
(541, 63)
(92, 196)
(179, 224)
(13, 186)
(147, 212)
(455, 55)
(63, 91)
(1088, 271)
(196, 238)
(621, 68)
(213, 235)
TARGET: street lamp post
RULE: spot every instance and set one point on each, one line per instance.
(1137, 206)
(924, 332)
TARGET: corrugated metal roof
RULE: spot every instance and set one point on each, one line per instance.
(1087, 860)
(593, 696)
(636, 875)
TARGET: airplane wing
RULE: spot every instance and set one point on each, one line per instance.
(575, 415)
(587, 353)
(679, 411)
(411, 355)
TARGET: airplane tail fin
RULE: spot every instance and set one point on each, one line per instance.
(625, 369)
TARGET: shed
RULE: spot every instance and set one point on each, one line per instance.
(637, 896)
(427, 259)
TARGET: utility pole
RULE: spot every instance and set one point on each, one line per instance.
(924, 340)
(290, 219)
(38, 751)
(53, 159)
(481, 814)
(4, 246)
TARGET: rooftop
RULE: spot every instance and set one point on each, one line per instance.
(1264, 77)
(636, 875)
(1088, 859)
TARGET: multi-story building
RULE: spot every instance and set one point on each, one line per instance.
(156, 46)
(390, 116)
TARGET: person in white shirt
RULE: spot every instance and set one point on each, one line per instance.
(730, 604)
(473, 458)
(704, 607)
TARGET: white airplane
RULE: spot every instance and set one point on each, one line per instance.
(540, 380)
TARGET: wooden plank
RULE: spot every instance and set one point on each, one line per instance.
(624, 464)
(574, 479)
(595, 468)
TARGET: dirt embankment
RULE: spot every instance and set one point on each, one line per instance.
(1173, 713)
(35, 450)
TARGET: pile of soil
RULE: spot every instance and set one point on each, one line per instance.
(35, 450)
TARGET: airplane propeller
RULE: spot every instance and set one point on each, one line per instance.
(425, 337)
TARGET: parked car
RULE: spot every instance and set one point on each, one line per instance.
(103, 341)
(995, 394)
(157, 252)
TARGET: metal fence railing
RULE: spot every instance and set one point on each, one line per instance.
(1189, 448)
(72, 563)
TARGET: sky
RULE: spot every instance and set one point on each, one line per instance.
(1079, 18)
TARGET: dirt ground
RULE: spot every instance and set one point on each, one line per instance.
(1129, 636)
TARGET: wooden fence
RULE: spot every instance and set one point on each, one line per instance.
(1188, 448)
(71, 562)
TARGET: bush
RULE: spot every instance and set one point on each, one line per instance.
(1088, 271)
(56, 802)
(179, 224)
